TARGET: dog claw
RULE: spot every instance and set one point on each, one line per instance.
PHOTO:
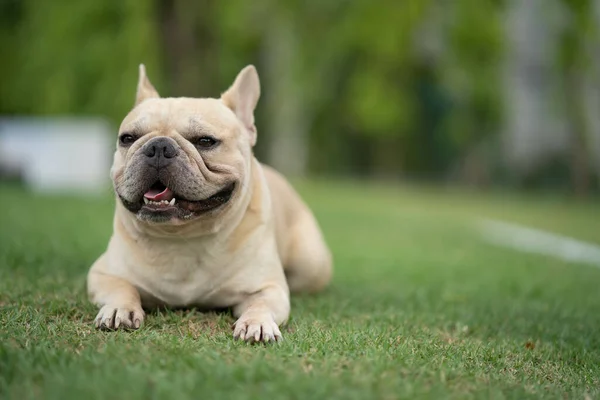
(257, 329)
(114, 317)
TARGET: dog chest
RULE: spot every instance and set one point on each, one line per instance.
(186, 279)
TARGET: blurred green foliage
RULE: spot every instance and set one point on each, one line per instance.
(74, 57)
(382, 87)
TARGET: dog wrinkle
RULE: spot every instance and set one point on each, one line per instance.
(253, 216)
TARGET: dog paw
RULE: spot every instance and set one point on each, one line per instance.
(257, 327)
(113, 317)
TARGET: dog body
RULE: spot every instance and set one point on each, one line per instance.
(200, 222)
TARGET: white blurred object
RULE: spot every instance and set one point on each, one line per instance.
(530, 240)
(58, 154)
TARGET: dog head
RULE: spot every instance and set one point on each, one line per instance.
(181, 159)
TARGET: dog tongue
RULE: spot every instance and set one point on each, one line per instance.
(157, 195)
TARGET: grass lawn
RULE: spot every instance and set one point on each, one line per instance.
(420, 307)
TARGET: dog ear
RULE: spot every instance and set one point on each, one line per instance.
(242, 97)
(145, 90)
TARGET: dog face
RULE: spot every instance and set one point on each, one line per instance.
(180, 159)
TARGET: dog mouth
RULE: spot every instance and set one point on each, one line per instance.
(160, 199)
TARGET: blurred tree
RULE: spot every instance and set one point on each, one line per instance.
(471, 71)
(76, 57)
(575, 61)
(382, 88)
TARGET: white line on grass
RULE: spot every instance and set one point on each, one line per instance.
(537, 241)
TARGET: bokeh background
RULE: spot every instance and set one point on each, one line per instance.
(472, 92)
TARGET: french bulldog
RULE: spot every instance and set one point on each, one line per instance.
(199, 222)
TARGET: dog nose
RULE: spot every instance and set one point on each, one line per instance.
(160, 150)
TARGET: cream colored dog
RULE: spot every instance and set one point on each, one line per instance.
(199, 221)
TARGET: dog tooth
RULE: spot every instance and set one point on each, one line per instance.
(146, 201)
(172, 202)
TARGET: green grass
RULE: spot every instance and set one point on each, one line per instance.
(420, 307)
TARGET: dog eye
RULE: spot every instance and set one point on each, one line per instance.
(205, 142)
(127, 139)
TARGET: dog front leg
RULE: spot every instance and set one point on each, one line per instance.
(260, 315)
(119, 302)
